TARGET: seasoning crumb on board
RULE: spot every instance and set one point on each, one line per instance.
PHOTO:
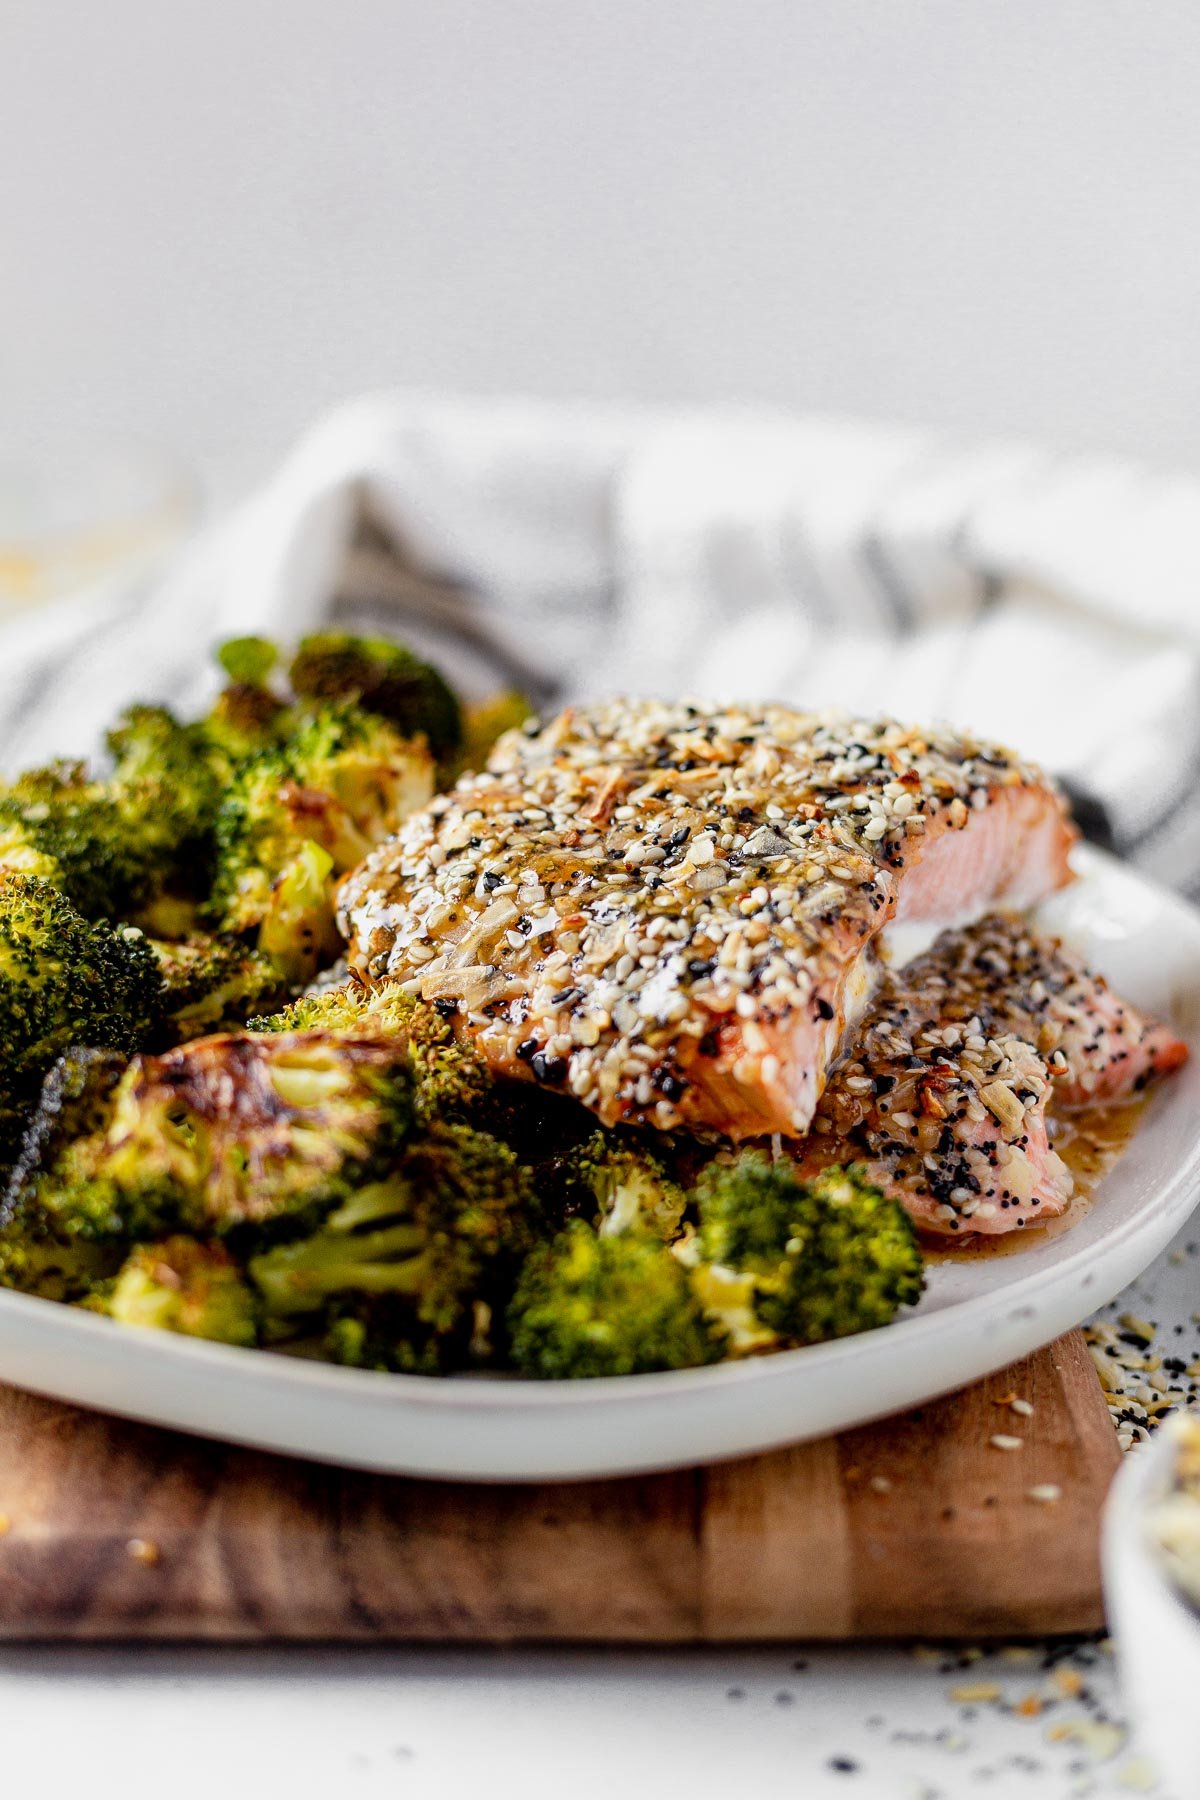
(1000, 1440)
(1141, 1386)
(5, 1524)
(1047, 1493)
(1099, 1737)
(143, 1550)
(969, 1691)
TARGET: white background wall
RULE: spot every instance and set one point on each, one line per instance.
(215, 217)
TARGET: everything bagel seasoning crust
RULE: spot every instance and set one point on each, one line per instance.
(667, 911)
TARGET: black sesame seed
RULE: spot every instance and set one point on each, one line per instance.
(548, 1068)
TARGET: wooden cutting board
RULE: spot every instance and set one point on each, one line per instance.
(919, 1526)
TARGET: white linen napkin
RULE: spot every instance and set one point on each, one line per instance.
(1051, 602)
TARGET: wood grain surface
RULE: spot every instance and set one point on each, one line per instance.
(916, 1527)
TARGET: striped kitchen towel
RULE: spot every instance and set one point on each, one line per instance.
(1051, 602)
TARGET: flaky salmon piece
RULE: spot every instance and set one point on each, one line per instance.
(1012, 978)
(967, 1052)
(669, 911)
(949, 1121)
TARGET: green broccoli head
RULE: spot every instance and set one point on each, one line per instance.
(248, 661)
(297, 816)
(617, 1181)
(450, 1078)
(248, 715)
(586, 1305)
(166, 788)
(374, 775)
(228, 1132)
(187, 1286)
(212, 982)
(64, 981)
(112, 846)
(36, 1256)
(383, 677)
(59, 824)
(416, 1258)
(781, 1261)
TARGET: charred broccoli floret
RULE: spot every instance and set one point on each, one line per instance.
(617, 1182)
(247, 716)
(297, 816)
(587, 1305)
(383, 677)
(374, 774)
(780, 1261)
(412, 1259)
(210, 982)
(35, 1255)
(64, 981)
(227, 1132)
(187, 1286)
(449, 1077)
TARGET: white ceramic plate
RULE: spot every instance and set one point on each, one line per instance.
(975, 1317)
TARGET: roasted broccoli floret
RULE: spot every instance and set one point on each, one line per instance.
(166, 788)
(414, 1258)
(617, 1182)
(587, 1305)
(210, 982)
(112, 845)
(61, 825)
(227, 1132)
(36, 1256)
(248, 661)
(449, 1077)
(64, 981)
(780, 1261)
(386, 679)
(247, 716)
(187, 1286)
(297, 816)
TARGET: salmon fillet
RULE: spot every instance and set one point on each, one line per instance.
(1018, 980)
(965, 1050)
(948, 1120)
(669, 911)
